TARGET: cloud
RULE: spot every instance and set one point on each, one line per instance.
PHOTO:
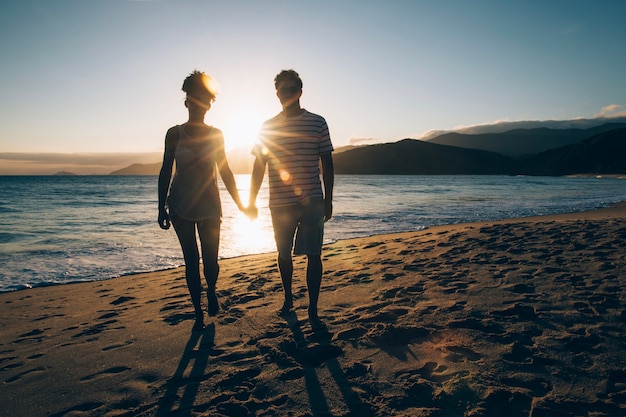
(608, 114)
(613, 113)
(612, 110)
(362, 141)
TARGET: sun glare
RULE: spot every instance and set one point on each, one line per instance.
(253, 236)
(241, 129)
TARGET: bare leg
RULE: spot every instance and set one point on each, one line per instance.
(186, 232)
(209, 232)
(285, 266)
(314, 283)
(285, 222)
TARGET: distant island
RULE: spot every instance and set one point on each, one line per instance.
(64, 173)
(139, 169)
(542, 151)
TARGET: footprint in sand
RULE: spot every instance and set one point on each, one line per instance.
(107, 372)
(390, 277)
(232, 314)
(96, 329)
(117, 346)
(291, 374)
(353, 333)
(538, 387)
(452, 286)
(373, 245)
(122, 300)
(257, 284)
(81, 408)
(461, 354)
(523, 312)
(25, 373)
(361, 278)
(10, 365)
(388, 334)
(35, 335)
(35, 356)
(237, 379)
(518, 353)
(48, 316)
(458, 306)
(432, 371)
(243, 298)
(391, 293)
(107, 315)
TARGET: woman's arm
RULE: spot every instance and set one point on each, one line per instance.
(227, 174)
(165, 175)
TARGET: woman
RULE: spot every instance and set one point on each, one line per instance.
(192, 199)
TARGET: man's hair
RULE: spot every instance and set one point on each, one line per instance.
(287, 75)
(200, 85)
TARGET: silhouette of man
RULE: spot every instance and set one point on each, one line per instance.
(291, 146)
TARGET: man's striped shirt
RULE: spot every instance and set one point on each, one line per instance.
(292, 146)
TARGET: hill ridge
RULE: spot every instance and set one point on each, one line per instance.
(419, 157)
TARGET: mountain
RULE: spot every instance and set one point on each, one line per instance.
(240, 161)
(519, 143)
(411, 156)
(139, 169)
(600, 154)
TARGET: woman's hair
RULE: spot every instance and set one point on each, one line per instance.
(287, 75)
(200, 86)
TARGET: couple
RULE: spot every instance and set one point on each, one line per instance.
(291, 145)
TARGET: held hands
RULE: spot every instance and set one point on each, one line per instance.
(252, 212)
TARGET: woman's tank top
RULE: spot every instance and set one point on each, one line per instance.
(194, 193)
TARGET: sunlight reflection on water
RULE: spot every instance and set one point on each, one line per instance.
(62, 229)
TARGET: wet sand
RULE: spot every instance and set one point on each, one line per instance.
(523, 317)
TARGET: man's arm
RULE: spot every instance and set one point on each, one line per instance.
(256, 179)
(165, 175)
(328, 176)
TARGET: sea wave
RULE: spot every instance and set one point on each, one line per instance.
(102, 235)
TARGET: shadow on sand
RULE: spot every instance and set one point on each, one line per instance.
(180, 390)
(319, 351)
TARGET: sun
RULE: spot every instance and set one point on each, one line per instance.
(241, 128)
(253, 236)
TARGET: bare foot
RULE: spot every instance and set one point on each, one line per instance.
(285, 309)
(214, 305)
(316, 323)
(198, 327)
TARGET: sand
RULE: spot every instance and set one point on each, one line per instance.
(524, 317)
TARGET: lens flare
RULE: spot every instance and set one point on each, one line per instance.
(285, 176)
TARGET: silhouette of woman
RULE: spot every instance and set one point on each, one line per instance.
(191, 202)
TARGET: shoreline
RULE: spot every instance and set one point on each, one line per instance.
(78, 281)
(524, 314)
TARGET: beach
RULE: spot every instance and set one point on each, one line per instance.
(519, 317)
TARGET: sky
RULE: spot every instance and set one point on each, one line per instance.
(104, 76)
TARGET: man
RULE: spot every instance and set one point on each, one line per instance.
(291, 145)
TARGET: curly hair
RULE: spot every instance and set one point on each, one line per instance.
(287, 75)
(200, 85)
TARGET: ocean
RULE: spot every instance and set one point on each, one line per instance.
(62, 229)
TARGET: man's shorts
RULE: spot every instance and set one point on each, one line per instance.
(305, 221)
